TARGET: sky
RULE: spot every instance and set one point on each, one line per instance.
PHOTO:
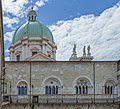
(71, 21)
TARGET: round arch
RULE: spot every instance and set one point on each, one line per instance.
(21, 81)
(111, 80)
(82, 77)
(55, 78)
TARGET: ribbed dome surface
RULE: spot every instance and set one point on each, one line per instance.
(32, 29)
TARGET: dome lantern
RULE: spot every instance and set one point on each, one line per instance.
(32, 15)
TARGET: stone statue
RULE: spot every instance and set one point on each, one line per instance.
(74, 55)
(74, 48)
(88, 50)
(84, 52)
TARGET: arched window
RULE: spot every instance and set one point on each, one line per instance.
(82, 85)
(19, 90)
(32, 17)
(22, 88)
(109, 87)
(46, 89)
(49, 90)
(25, 90)
(86, 89)
(79, 90)
(76, 87)
(53, 90)
(52, 86)
(56, 89)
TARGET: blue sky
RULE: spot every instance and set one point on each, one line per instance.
(68, 9)
(55, 10)
(49, 12)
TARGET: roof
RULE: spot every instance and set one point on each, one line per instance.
(32, 29)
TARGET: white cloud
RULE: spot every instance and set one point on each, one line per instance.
(7, 58)
(10, 21)
(41, 3)
(14, 7)
(101, 32)
(18, 9)
(6, 51)
(8, 36)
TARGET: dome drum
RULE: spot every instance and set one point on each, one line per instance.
(26, 46)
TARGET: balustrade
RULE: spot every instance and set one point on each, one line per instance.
(66, 99)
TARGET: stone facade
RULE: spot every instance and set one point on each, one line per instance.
(66, 75)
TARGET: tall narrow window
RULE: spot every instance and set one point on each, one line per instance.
(79, 89)
(86, 89)
(19, 91)
(46, 89)
(18, 57)
(83, 89)
(111, 89)
(25, 90)
(76, 87)
(56, 89)
(53, 90)
(108, 89)
(49, 90)
(32, 17)
(105, 89)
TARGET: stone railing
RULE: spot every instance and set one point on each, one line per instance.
(65, 99)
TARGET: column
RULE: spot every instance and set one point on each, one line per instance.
(53, 53)
(11, 56)
(26, 51)
(44, 51)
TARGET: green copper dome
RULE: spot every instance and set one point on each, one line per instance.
(32, 28)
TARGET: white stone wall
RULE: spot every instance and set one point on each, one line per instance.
(66, 72)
